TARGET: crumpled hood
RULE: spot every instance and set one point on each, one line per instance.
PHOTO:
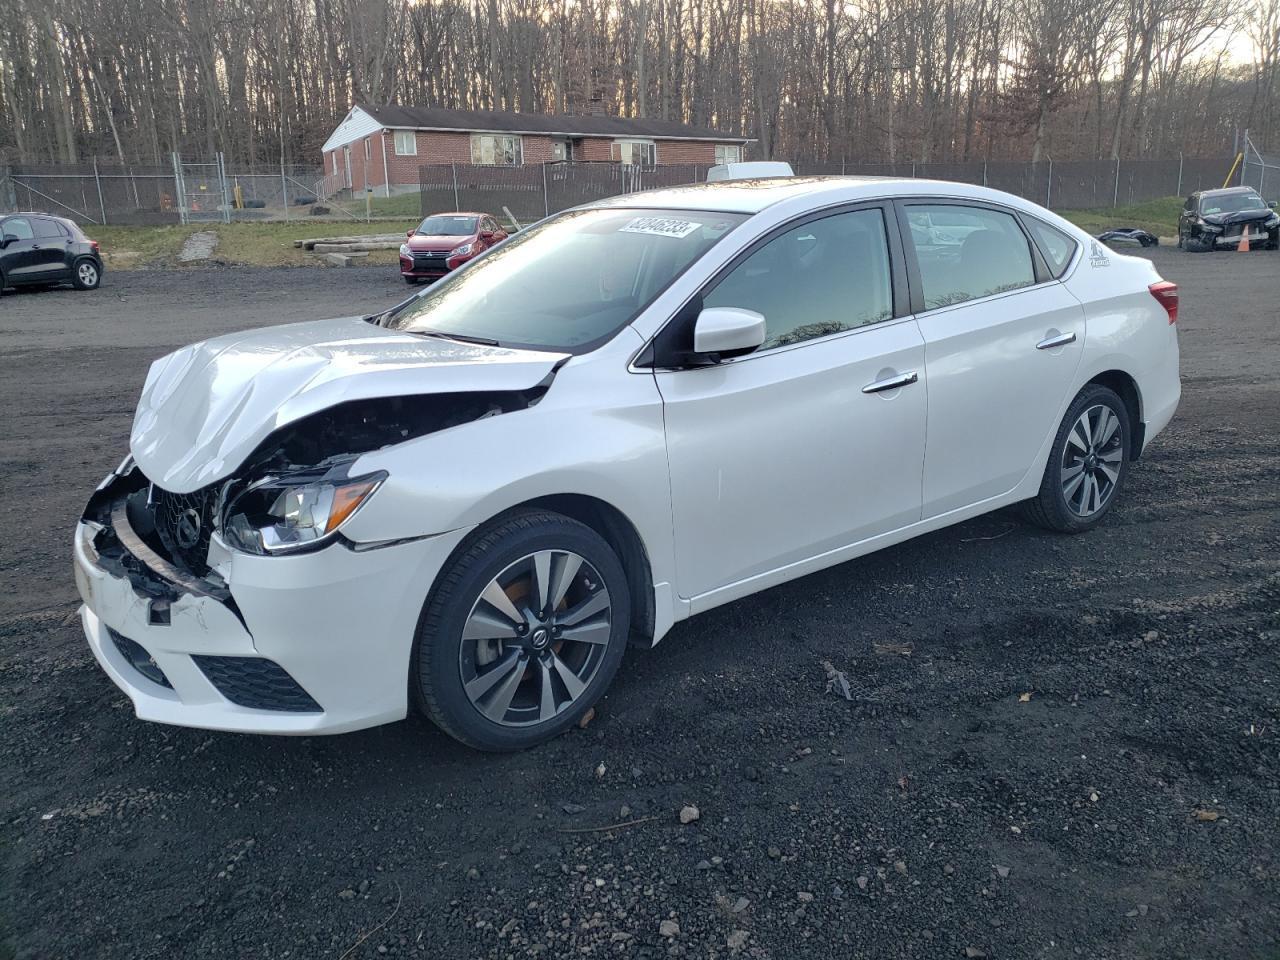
(1240, 216)
(206, 407)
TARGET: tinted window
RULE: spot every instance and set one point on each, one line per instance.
(1057, 247)
(48, 229)
(18, 227)
(820, 278)
(569, 282)
(968, 252)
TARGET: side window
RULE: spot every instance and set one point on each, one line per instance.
(820, 278)
(1057, 247)
(968, 252)
(19, 227)
(47, 229)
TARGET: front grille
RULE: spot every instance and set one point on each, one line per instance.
(139, 659)
(430, 261)
(184, 522)
(256, 683)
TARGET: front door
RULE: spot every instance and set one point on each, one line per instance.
(20, 257)
(1001, 347)
(806, 445)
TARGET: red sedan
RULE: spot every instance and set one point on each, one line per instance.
(444, 242)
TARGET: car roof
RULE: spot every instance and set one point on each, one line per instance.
(753, 196)
(457, 213)
(1222, 191)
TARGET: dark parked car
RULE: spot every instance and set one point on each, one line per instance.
(1218, 218)
(37, 249)
(444, 242)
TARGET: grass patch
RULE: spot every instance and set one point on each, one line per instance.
(1158, 216)
(255, 244)
(401, 205)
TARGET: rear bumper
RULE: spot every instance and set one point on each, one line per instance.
(307, 644)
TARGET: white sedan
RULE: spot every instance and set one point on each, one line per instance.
(625, 415)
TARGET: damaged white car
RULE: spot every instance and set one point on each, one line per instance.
(625, 415)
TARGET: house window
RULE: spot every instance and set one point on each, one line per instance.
(406, 143)
(495, 150)
(640, 152)
(728, 153)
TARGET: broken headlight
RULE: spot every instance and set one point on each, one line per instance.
(291, 514)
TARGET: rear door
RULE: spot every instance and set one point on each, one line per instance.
(51, 249)
(816, 440)
(1003, 339)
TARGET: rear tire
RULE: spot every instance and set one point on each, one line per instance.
(86, 274)
(1087, 465)
(500, 662)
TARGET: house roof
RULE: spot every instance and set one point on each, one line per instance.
(395, 116)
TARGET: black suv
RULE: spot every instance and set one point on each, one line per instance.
(39, 250)
(1218, 218)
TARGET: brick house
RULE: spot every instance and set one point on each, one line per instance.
(382, 147)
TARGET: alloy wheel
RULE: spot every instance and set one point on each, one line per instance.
(88, 274)
(535, 638)
(1091, 460)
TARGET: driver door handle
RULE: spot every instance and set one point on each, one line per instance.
(891, 383)
(1061, 340)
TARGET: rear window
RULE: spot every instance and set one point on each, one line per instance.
(1058, 248)
(47, 229)
(967, 252)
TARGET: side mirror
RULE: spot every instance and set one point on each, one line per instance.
(1272, 204)
(409, 234)
(728, 331)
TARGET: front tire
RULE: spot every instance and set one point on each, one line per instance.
(523, 632)
(1087, 465)
(85, 274)
(411, 281)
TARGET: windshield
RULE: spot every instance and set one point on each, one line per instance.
(569, 282)
(1231, 203)
(446, 225)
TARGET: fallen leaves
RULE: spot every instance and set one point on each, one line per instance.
(1206, 816)
(1025, 697)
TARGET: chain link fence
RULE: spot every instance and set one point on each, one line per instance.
(1066, 185)
(178, 192)
(534, 191)
(191, 191)
(1260, 170)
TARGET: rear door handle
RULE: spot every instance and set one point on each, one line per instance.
(891, 383)
(1061, 340)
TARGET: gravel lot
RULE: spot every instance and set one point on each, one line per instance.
(1037, 719)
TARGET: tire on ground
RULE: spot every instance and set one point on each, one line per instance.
(435, 677)
(1049, 508)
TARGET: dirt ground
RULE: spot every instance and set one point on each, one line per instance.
(1043, 731)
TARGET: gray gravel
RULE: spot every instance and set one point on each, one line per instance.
(1128, 808)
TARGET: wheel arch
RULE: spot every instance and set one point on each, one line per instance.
(617, 530)
(1126, 387)
(625, 541)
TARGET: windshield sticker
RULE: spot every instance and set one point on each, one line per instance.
(1097, 258)
(661, 227)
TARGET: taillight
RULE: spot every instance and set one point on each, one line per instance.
(1167, 293)
(93, 245)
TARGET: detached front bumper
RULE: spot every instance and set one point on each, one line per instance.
(306, 644)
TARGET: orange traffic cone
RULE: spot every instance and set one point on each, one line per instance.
(1243, 246)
